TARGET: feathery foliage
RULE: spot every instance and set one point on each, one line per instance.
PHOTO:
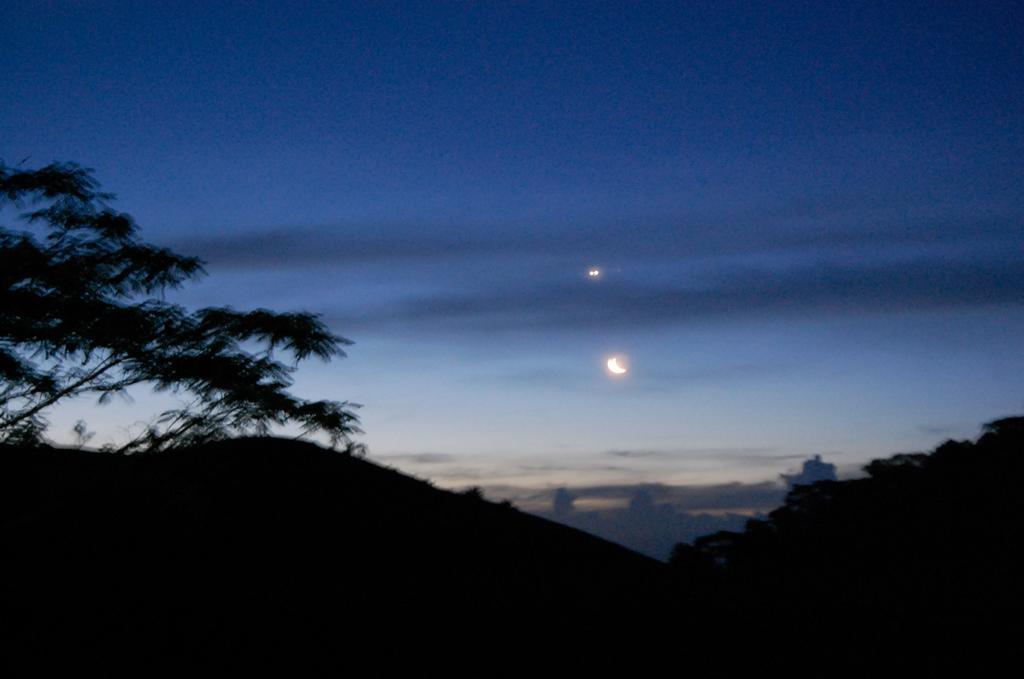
(79, 316)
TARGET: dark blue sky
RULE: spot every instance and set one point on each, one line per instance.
(809, 215)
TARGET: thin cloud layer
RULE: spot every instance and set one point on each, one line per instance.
(926, 283)
(636, 238)
(797, 257)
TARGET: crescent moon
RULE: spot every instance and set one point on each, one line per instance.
(614, 367)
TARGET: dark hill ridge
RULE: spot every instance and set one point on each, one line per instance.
(278, 534)
(262, 546)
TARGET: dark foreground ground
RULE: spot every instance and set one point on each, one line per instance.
(278, 541)
(263, 548)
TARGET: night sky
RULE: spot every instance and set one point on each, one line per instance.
(808, 217)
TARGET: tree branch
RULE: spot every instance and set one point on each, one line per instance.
(111, 362)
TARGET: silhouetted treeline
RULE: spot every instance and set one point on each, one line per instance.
(922, 536)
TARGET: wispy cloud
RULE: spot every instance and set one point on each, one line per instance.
(636, 453)
(812, 289)
(795, 227)
(732, 454)
(488, 276)
(417, 458)
(652, 380)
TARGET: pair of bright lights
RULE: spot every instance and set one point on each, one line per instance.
(617, 365)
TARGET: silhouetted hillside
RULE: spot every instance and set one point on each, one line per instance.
(277, 541)
(257, 548)
(923, 537)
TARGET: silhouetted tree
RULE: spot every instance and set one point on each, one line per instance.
(473, 493)
(920, 534)
(78, 317)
